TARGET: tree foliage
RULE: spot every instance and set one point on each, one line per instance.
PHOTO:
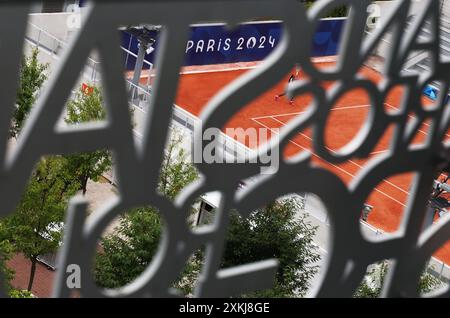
(32, 77)
(372, 285)
(35, 226)
(6, 253)
(87, 108)
(130, 249)
(275, 231)
(127, 252)
(337, 12)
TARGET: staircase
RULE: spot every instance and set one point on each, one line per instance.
(422, 61)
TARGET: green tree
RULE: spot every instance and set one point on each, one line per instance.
(372, 285)
(130, 249)
(87, 107)
(35, 227)
(275, 232)
(6, 252)
(32, 77)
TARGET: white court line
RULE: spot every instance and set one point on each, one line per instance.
(411, 116)
(344, 171)
(298, 113)
(351, 161)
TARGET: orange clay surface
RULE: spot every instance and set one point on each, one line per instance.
(350, 112)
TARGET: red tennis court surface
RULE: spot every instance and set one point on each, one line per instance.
(346, 119)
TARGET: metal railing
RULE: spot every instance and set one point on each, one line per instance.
(147, 64)
(139, 96)
(53, 46)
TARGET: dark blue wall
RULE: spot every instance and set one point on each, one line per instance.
(213, 44)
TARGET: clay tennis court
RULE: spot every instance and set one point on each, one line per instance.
(350, 112)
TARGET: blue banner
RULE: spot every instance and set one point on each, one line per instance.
(214, 44)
